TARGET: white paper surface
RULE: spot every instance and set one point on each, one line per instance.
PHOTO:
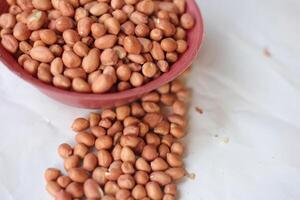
(244, 147)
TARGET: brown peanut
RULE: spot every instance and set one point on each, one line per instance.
(160, 177)
(52, 188)
(85, 138)
(126, 181)
(51, 174)
(75, 189)
(70, 59)
(187, 21)
(157, 52)
(21, 32)
(78, 175)
(138, 18)
(84, 26)
(103, 142)
(127, 155)
(71, 162)
(98, 30)
(149, 69)
(63, 181)
(102, 83)
(42, 4)
(146, 7)
(106, 41)
(99, 9)
(80, 124)
(104, 158)
(42, 54)
(159, 164)
(7, 20)
(80, 150)
(9, 43)
(90, 162)
(36, 20)
(44, 73)
(153, 190)
(92, 189)
(65, 150)
(63, 23)
(66, 8)
(136, 79)
(112, 25)
(132, 45)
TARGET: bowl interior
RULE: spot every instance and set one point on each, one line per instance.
(194, 40)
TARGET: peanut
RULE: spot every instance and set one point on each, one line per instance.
(104, 158)
(63, 23)
(132, 45)
(70, 37)
(138, 18)
(112, 25)
(42, 4)
(36, 20)
(160, 177)
(44, 73)
(71, 162)
(109, 57)
(84, 26)
(99, 9)
(85, 138)
(136, 79)
(51, 174)
(75, 189)
(91, 62)
(78, 175)
(168, 45)
(149, 69)
(63, 181)
(146, 7)
(66, 8)
(80, 150)
(21, 32)
(70, 59)
(126, 181)
(42, 54)
(106, 41)
(187, 21)
(92, 189)
(52, 188)
(7, 20)
(75, 73)
(48, 36)
(98, 30)
(10, 43)
(153, 190)
(80, 85)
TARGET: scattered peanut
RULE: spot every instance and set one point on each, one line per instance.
(51, 174)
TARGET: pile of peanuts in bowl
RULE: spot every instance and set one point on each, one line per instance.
(90, 46)
(131, 152)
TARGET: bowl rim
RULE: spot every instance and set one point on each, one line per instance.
(184, 61)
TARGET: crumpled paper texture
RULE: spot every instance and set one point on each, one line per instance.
(244, 146)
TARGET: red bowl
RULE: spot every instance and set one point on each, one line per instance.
(194, 39)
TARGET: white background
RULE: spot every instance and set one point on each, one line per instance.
(245, 146)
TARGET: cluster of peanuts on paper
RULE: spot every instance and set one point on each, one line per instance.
(131, 152)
